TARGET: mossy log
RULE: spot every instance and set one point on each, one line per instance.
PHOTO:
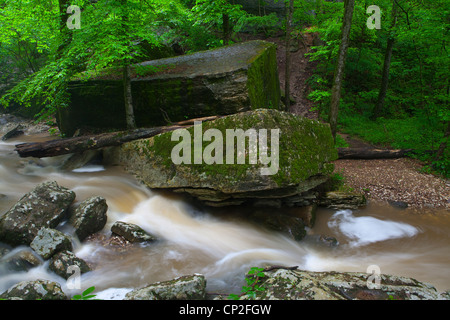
(368, 153)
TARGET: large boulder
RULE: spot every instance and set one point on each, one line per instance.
(223, 81)
(283, 284)
(44, 206)
(295, 158)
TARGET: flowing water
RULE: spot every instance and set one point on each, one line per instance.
(218, 243)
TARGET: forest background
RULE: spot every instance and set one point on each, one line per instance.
(395, 88)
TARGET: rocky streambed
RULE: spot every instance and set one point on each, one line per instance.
(41, 242)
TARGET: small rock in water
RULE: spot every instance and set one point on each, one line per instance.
(89, 217)
(131, 232)
(62, 262)
(398, 204)
(50, 241)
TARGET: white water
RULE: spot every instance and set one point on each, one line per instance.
(218, 243)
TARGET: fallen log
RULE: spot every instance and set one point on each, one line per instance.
(369, 153)
(80, 144)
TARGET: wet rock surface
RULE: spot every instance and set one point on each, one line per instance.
(191, 287)
(44, 206)
(131, 232)
(66, 263)
(50, 241)
(89, 217)
(35, 290)
(283, 284)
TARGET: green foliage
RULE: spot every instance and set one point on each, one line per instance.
(86, 295)
(254, 276)
(415, 113)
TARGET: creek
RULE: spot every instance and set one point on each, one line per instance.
(218, 242)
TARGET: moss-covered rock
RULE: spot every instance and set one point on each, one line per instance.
(223, 81)
(35, 290)
(282, 284)
(301, 161)
(62, 263)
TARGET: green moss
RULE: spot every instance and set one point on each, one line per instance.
(263, 82)
(306, 148)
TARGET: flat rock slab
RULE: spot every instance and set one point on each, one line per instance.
(222, 81)
(282, 284)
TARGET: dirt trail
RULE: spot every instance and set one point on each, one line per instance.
(398, 180)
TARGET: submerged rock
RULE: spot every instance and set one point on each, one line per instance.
(192, 287)
(282, 284)
(89, 217)
(35, 290)
(286, 172)
(45, 206)
(221, 81)
(22, 260)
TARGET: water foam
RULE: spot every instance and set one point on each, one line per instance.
(365, 230)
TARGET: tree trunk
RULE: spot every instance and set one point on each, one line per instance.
(339, 72)
(387, 64)
(287, 83)
(443, 144)
(129, 111)
(226, 29)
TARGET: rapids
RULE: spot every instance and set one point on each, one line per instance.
(218, 242)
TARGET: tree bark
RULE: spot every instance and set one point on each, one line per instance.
(379, 107)
(226, 29)
(339, 72)
(444, 144)
(287, 82)
(59, 147)
(129, 111)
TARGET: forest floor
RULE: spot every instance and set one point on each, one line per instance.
(381, 180)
